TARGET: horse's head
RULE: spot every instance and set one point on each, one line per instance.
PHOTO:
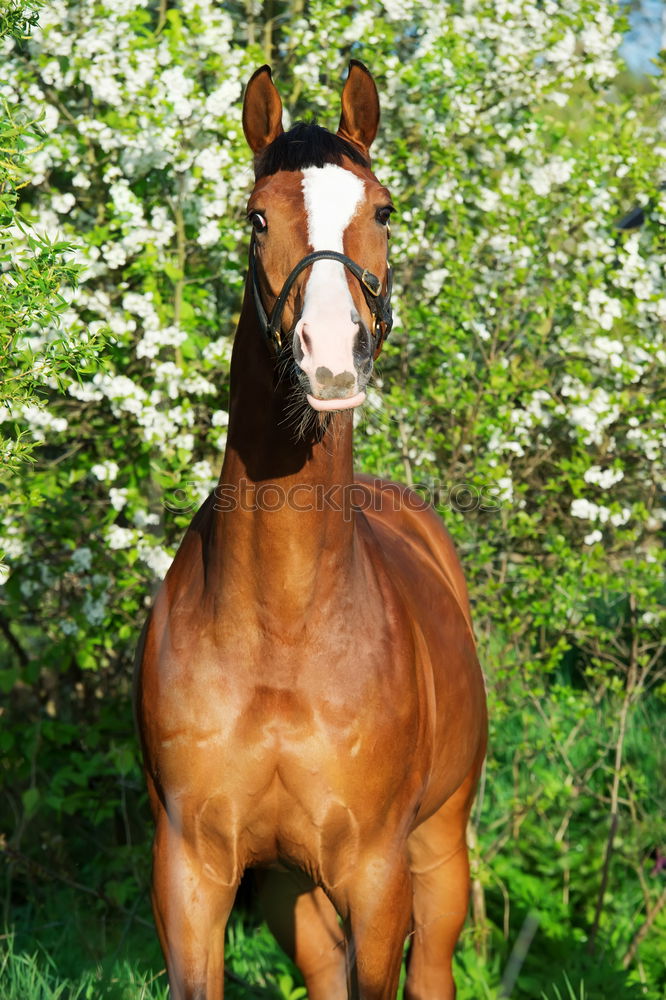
(319, 266)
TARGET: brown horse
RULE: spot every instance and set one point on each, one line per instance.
(309, 698)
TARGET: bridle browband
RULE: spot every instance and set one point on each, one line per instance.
(378, 303)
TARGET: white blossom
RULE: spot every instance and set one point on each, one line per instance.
(584, 509)
(118, 497)
(157, 558)
(155, 339)
(605, 478)
(106, 472)
(118, 537)
(209, 234)
(552, 173)
(505, 489)
(603, 309)
(81, 559)
(434, 281)
(94, 608)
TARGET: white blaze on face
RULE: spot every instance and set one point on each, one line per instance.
(329, 320)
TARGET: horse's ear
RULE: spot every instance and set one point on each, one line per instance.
(262, 111)
(359, 120)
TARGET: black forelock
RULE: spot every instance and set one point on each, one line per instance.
(306, 144)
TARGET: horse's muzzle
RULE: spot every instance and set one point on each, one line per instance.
(328, 405)
(334, 356)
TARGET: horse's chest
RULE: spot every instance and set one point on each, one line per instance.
(293, 733)
(306, 775)
(318, 722)
(294, 709)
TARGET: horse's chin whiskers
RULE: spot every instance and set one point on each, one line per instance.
(305, 422)
(284, 360)
(299, 417)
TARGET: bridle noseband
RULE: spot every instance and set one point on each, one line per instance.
(378, 303)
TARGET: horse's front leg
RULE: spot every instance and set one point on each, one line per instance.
(440, 875)
(376, 905)
(191, 909)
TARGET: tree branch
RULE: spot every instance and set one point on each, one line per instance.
(615, 787)
(21, 654)
(644, 929)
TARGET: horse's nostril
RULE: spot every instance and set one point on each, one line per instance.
(298, 350)
(330, 386)
(345, 381)
(362, 347)
(307, 343)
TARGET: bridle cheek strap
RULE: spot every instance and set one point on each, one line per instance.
(378, 303)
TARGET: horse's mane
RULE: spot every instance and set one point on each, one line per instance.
(306, 144)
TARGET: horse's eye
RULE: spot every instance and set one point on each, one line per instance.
(258, 222)
(383, 215)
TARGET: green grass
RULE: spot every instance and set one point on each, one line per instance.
(568, 993)
(75, 950)
(256, 966)
(33, 975)
(111, 964)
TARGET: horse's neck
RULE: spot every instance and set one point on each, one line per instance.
(283, 530)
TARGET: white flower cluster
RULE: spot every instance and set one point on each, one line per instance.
(602, 309)
(604, 478)
(157, 558)
(551, 173)
(587, 510)
(503, 237)
(40, 421)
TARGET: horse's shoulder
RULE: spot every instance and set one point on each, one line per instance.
(194, 541)
(408, 523)
(403, 509)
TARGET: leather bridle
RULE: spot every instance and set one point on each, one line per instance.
(378, 302)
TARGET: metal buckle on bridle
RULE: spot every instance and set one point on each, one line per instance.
(371, 282)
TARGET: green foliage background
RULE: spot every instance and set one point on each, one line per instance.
(522, 388)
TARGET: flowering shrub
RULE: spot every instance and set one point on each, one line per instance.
(30, 280)
(524, 366)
